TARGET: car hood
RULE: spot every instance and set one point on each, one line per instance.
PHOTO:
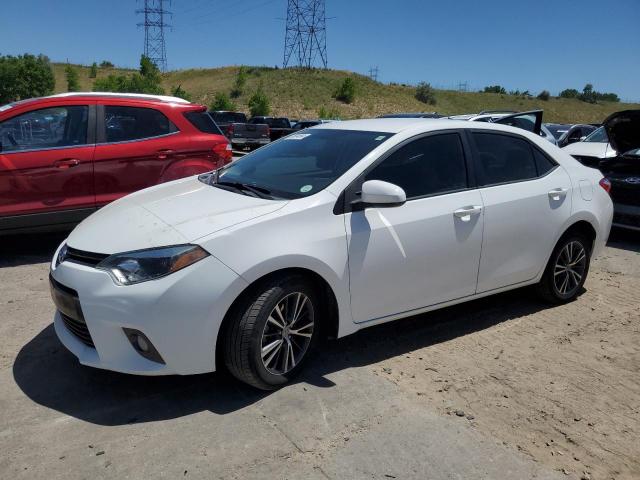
(169, 214)
(590, 149)
(623, 129)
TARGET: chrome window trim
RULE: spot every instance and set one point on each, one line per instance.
(138, 139)
(13, 152)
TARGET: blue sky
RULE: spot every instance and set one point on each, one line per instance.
(520, 44)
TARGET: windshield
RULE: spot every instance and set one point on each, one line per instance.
(229, 117)
(302, 164)
(557, 130)
(599, 136)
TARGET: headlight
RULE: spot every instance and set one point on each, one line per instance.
(62, 254)
(143, 265)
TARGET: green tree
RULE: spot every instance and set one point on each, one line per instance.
(494, 89)
(425, 93)
(71, 74)
(544, 95)
(259, 103)
(569, 93)
(240, 82)
(93, 73)
(221, 101)
(25, 76)
(106, 64)
(346, 91)
(588, 94)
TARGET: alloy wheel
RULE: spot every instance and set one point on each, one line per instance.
(570, 268)
(287, 333)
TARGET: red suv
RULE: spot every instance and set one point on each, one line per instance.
(64, 156)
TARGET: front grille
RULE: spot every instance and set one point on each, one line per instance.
(90, 259)
(79, 329)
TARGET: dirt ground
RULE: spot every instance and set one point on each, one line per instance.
(560, 384)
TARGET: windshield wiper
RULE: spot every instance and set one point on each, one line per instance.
(259, 192)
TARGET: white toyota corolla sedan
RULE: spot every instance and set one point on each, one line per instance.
(324, 232)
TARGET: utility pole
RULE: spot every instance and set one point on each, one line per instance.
(373, 73)
(154, 24)
(305, 38)
(463, 86)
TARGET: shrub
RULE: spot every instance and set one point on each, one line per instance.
(221, 101)
(569, 93)
(240, 82)
(425, 93)
(328, 114)
(494, 89)
(106, 64)
(544, 95)
(346, 91)
(147, 81)
(259, 103)
(93, 73)
(179, 92)
(71, 74)
(25, 76)
(588, 94)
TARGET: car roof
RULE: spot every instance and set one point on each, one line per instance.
(136, 97)
(397, 125)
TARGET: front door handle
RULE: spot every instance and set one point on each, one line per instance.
(164, 154)
(558, 193)
(66, 163)
(465, 213)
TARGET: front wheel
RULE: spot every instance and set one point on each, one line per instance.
(566, 271)
(272, 332)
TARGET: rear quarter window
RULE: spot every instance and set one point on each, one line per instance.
(203, 122)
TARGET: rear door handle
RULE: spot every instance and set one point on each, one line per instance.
(163, 154)
(558, 193)
(66, 163)
(465, 213)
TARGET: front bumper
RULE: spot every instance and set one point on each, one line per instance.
(626, 216)
(180, 314)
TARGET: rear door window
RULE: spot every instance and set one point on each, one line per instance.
(503, 158)
(203, 122)
(124, 124)
(46, 128)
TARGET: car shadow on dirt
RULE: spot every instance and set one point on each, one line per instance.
(51, 376)
(17, 250)
(624, 239)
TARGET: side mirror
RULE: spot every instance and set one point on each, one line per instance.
(383, 194)
(582, 138)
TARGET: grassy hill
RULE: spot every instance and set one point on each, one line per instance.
(302, 93)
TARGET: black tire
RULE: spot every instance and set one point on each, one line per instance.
(550, 286)
(247, 327)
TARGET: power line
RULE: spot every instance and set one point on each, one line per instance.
(305, 33)
(154, 25)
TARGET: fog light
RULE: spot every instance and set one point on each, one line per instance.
(143, 345)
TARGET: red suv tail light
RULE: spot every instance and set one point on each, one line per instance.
(223, 151)
(606, 184)
(230, 130)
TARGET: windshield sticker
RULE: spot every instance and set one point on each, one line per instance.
(5, 107)
(381, 137)
(297, 136)
(306, 188)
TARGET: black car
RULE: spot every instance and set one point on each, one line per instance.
(566, 134)
(412, 115)
(623, 171)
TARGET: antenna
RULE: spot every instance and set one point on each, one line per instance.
(305, 35)
(154, 25)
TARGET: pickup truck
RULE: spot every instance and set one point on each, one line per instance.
(278, 126)
(241, 134)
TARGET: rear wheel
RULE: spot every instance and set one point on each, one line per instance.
(566, 271)
(272, 332)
